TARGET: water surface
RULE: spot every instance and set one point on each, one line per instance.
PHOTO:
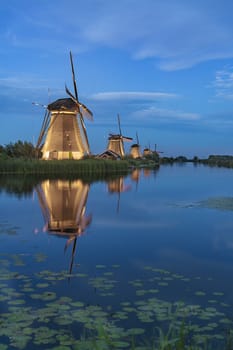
(115, 263)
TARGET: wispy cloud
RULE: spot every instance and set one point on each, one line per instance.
(224, 83)
(130, 95)
(23, 82)
(196, 31)
(165, 115)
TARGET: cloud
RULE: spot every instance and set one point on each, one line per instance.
(195, 32)
(23, 82)
(165, 115)
(176, 33)
(131, 96)
(224, 83)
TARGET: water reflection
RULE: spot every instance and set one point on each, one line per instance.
(147, 172)
(118, 186)
(63, 204)
(135, 175)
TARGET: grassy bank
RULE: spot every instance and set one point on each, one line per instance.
(219, 161)
(65, 167)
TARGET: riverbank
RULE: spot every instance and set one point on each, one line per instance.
(62, 167)
(87, 166)
(213, 160)
(99, 167)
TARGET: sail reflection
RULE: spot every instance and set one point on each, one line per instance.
(63, 205)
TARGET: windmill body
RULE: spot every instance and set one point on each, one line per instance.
(135, 151)
(147, 152)
(116, 141)
(116, 145)
(64, 139)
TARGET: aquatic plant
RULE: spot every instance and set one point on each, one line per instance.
(36, 314)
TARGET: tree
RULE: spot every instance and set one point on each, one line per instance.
(19, 149)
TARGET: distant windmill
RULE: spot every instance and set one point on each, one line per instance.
(135, 149)
(63, 133)
(116, 141)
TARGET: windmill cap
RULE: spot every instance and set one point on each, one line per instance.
(63, 104)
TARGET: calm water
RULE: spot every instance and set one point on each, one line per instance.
(116, 263)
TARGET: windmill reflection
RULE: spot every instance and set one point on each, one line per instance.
(63, 205)
(118, 186)
(135, 176)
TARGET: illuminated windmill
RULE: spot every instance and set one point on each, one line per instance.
(63, 134)
(135, 149)
(63, 204)
(116, 141)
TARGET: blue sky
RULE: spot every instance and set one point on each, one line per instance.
(166, 66)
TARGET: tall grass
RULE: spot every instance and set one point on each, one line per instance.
(64, 167)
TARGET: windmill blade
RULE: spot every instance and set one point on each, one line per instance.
(84, 132)
(44, 128)
(87, 113)
(70, 94)
(125, 138)
(39, 104)
(85, 221)
(137, 138)
(119, 123)
(68, 242)
(73, 76)
(86, 110)
(72, 256)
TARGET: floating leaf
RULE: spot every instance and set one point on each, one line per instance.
(100, 266)
(200, 293)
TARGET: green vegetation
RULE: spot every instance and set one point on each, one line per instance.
(21, 157)
(19, 149)
(219, 160)
(61, 167)
(213, 160)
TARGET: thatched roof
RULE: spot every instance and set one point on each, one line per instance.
(63, 104)
(109, 154)
(114, 137)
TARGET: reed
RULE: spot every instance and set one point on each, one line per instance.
(63, 167)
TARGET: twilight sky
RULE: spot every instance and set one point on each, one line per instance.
(166, 66)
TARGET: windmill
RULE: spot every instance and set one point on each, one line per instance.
(116, 141)
(63, 133)
(135, 149)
